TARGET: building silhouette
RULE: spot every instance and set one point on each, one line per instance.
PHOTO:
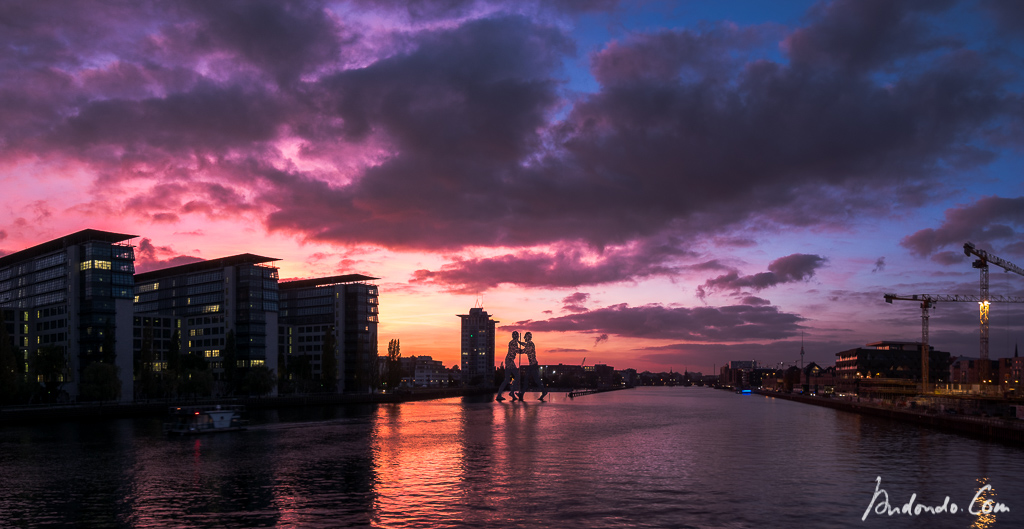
(73, 294)
(477, 347)
(344, 306)
(213, 298)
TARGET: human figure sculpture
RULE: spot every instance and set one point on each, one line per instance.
(533, 372)
(510, 365)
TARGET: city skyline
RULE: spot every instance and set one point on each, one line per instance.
(648, 185)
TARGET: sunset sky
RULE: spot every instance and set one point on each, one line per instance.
(658, 185)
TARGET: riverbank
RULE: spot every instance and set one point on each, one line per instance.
(158, 408)
(581, 392)
(989, 428)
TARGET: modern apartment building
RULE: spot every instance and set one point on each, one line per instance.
(477, 347)
(212, 298)
(344, 307)
(73, 294)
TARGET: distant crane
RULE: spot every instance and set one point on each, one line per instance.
(981, 263)
(928, 301)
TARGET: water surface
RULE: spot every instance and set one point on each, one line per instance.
(649, 457)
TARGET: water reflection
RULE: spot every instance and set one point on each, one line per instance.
(643, 458)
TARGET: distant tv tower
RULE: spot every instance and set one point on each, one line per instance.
(479, 304)
(801, 350)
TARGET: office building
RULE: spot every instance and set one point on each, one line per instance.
(344, 307)
(889, 359)
(73, 295)
(213, 298)
(477, 347)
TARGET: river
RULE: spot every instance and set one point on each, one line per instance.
(646, 457)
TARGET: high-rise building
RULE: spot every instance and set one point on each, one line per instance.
(477, 347)
(212, 298)
(343, 306)
(73, 296)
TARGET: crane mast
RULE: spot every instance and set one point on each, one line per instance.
(981, 263)
(928, 302)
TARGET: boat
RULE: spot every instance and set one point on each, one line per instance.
(195, 420)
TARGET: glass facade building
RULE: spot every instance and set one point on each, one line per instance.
(73, 294)
(212, 298)
(347, 307)
(477, 347)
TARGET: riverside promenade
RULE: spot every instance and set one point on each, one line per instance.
(1009, 431)
(42, 413)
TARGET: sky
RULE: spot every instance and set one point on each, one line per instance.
(656, 185)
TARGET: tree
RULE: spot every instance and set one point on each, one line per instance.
(148, 383)
(174, 353)
(230, 357)
(172, 374)
(283, 384)
(196, 382)
(109, 347)
(100, 382)
(300, 373)
(259, 380)
(50, 366)
(10, 379)
(329, 362)
(394, 364)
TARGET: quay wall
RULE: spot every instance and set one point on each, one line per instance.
(1009, 431)
(158, 408)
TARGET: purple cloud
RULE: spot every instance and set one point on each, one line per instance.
(566, 267)
(989, 219)
(150, 257)
(460, 135)
(575, 302)
(721, 324)
(788, 269)
(861, 35)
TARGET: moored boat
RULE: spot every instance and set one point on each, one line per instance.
(194, 420)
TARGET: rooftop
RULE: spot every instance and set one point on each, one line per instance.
(60, 243)
(200, 266)
(324, 281)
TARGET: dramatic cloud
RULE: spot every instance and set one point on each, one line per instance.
(599, 339)
(788, 269)
(458, 134)
(567, 267)
(862, 35)
(1008, 16)
(575, 302)
(502, 141)
(149, 257)
(987, 220)
(722, 324)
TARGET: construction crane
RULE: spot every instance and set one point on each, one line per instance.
(927, 302)
(981, 263)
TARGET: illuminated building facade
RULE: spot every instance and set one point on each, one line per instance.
(212, 298)
(477, 347)
(345, 306)
(73, 294)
